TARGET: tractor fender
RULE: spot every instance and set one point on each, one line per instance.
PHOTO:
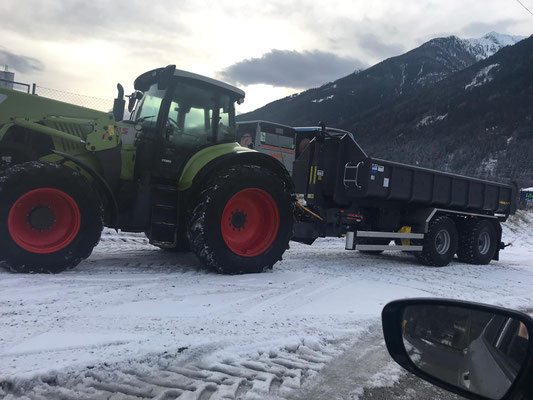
(99, 179)
(240, 158)
(205, 156)
(3, 130)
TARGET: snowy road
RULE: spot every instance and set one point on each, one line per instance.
(136, 322)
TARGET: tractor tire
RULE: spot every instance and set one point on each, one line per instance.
(11, 156)
(378, 241)
(478, 241)
(439, 243)
(243, 220)
(50, 218)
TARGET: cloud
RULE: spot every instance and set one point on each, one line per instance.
(292, 69)
(133, 21)
(20, 63)
(478, 29)
(378, 47)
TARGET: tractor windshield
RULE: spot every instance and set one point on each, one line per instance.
(196, 116)
(148, 109)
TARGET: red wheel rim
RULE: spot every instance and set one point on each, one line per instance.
(250, 222)
(44, 221)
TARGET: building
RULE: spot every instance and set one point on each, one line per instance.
(7, 78)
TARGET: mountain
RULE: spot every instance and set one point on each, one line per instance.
(460, 105)
(490, 44)
(477, 121)
(340, 103)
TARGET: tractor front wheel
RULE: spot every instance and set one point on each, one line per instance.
(243, 220)
(12, 156)
(50, 218)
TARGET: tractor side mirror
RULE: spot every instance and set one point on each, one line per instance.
(474, 350)
(133, 98)
(165, 77)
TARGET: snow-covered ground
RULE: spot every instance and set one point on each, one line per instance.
(134, 321)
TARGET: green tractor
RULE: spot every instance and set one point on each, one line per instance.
(172, 171)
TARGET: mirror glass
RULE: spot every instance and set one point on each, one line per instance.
(477, 351)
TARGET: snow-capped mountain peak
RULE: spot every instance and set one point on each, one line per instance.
(489, 44)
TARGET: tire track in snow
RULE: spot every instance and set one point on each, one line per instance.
(273, 374)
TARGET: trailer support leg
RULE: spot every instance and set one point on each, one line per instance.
(350, 241)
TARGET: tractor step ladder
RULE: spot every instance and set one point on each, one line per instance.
(164, 221)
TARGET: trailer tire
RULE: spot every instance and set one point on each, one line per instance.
(51, 218)
(477, 242)
(439, 243)
(237, 198)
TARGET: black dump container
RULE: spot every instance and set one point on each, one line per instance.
(339, 167)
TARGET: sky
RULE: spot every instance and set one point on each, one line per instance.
(270, 49)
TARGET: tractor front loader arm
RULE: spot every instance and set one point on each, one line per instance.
(25, 123)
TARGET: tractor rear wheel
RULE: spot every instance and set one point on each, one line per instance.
(50, 218)
(243, 220)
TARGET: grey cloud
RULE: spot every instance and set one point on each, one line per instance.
(20, 63)
(478, 29)
(136, 21)
(290, 69)
(378, 47)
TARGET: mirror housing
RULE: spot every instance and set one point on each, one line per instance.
(394, 325)
(119, 104)
(165, 77)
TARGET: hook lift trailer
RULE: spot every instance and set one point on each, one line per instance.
(341, 191)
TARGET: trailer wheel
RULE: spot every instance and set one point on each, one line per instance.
(243, 220)
(377, 241)
(439, 243)
(50, 218)
(477, 242)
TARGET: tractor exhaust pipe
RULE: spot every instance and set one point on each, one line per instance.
(119, 104)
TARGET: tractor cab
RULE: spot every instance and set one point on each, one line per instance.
(176, 114)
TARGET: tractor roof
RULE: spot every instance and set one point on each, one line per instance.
(148, 78)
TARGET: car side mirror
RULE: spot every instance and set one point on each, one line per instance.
(474, 350)
(165, 77)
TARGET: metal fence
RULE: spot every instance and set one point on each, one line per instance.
(95, 103)
(18, 86)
